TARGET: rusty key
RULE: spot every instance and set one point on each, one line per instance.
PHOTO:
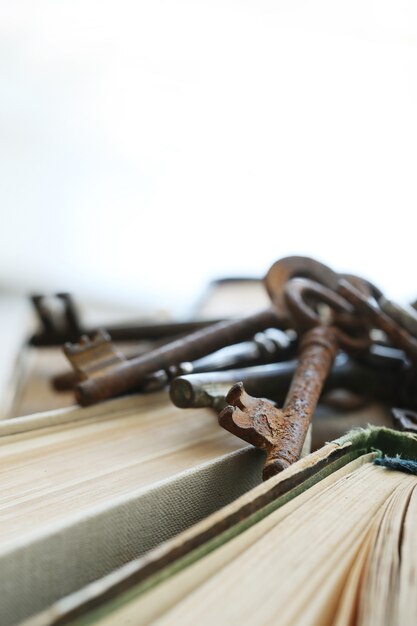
(406, 315)
(128, 376)
(60, 323)
(281, 432)
(390, 380)
(269, 346)
(398, 335)
(209, 389)
(283, 270)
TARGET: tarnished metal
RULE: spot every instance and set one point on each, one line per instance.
(287, 268)
(65, 381)
(406, 316)
(209, 389)
(129, 375)
(396, 333)
(364, 285)
(58, 319)
(390, 380)
(382, 357)
(270, 346)
(300, 293)
(93, 356)
(281, 432)
(60, 324)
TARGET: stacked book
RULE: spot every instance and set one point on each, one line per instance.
(134, 512)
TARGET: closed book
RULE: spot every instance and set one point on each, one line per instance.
(331, 540)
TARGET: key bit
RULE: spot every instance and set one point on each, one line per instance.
(92, 357)
(129, 375)
(269, 346)
(209, 389)
(281, 432)
(58, 318)
(254, 420)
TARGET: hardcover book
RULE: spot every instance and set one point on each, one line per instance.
(330, 540)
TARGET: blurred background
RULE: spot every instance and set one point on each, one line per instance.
(150, 146)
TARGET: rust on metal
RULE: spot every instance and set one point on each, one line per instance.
(65, 381)
(389, 384)
(210, 388)
(271, 346)
(400, 337)
(128, 375)
(287, 268)
(58, 319)
(60, 323)
(281, 432)
(301, 294)
(406, 316)
(92, 357)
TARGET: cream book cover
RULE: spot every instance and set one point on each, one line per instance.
(84, 491)
(331, 540)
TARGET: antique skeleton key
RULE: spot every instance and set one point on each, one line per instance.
(60, 323)
(406, 316)
(281, 432)
(116, 378)
(129, 375)
(398, 334)
(270, 346)
(391, 381)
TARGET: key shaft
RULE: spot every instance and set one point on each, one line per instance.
(127, 376)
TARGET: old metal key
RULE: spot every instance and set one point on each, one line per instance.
(281, 432)
(399, 335)
(389, 379)
(60, 323)
(270, 346)
(128, 375)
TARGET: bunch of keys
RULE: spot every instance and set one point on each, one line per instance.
(318, 333)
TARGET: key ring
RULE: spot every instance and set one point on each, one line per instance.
(299, 291)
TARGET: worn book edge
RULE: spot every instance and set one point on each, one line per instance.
(171, 557)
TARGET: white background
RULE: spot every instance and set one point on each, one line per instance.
(147, 147)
